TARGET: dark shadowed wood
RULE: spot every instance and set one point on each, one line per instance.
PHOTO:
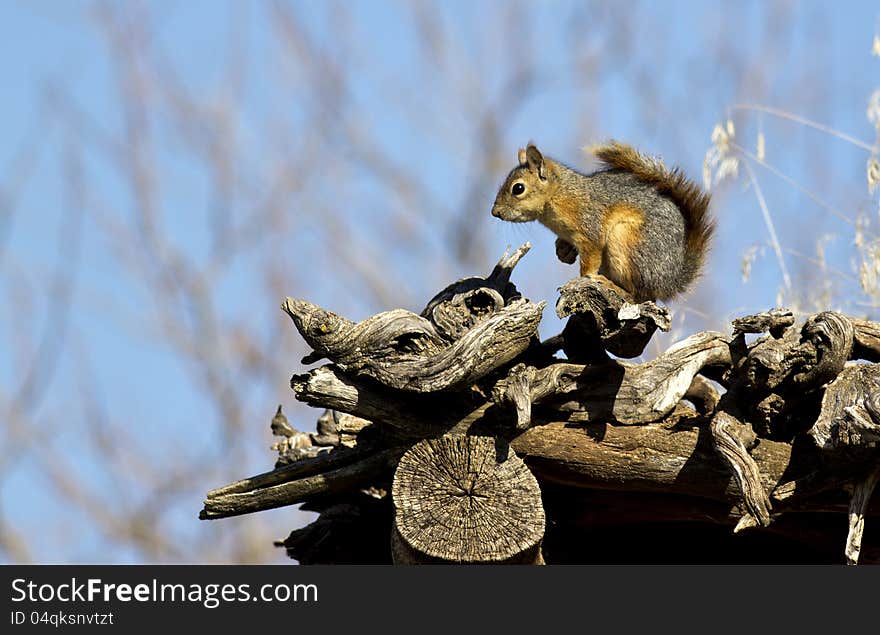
(603, 319)
(702, 394)
(465, 499)
(352, 530)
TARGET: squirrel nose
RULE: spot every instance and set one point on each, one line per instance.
(496, 213)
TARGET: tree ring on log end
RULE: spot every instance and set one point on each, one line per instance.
(464, 499)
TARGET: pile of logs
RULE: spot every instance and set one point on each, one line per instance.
(456, 435)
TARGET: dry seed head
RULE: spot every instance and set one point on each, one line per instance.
(761, 148)
(720, 157)
(873, 173)
(720, 136)
(748, 259)
(823, 240)
(869, 271)
(859, 238)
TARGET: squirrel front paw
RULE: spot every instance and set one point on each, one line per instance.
(565, 251)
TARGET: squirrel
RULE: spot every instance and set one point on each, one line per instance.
(634, 222)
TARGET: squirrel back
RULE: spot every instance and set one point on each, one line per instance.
(636, 222)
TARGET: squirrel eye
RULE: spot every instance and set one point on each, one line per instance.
(517, 189)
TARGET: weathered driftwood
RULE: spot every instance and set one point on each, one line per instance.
(732, 439)
(674, 456)
(403, 350)
(621, 391)
(617, 390)
(770, 385)
(332, 429)
(866, 340)
(848, 420)
(465, 499)
(847, 429)
(774, 322)
(858, 506)
(783, 427)
(602, 319)
(401, 414)
(462, 304)
(702, 394)
(475, 326)
(334, 481)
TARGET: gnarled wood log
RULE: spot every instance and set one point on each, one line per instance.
(775, 321)
(402, 415)
(257, 494)
(462, 304)
(476, 325)
(731, 438)
(795, 425)
(621, 391)
(465, 499)
(603, 319)
(850, 414)
(402, 350)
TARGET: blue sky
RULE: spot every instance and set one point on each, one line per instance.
(671, 83)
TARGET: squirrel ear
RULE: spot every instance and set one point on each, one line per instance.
(535, 160)
(521, 156)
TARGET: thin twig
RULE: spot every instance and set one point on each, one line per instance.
(768, 221)
(783, 114)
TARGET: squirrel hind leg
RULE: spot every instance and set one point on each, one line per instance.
(623, 234)
(593, 267)
(591, 261)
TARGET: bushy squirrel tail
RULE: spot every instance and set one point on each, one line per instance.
(689, 197)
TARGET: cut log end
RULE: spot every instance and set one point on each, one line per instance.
(465, 499)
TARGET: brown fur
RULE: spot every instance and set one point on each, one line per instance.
(591, 259)
(687, 196)
(621, 232)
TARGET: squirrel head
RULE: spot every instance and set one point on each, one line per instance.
(525, 192)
